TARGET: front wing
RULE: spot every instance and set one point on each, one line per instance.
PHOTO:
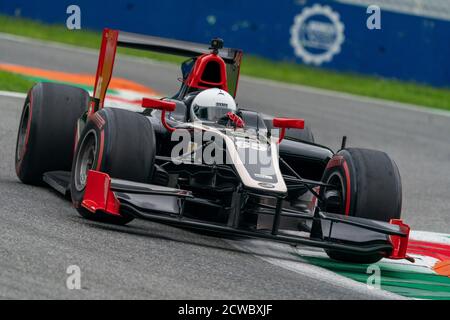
(166, 205)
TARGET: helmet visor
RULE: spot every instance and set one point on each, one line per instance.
(212, 114)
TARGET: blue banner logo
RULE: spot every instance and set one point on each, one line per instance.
(317, 34)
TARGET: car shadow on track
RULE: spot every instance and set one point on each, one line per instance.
(143, 229)
(205, 236)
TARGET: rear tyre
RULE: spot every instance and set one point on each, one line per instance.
(45, 140)
(368, 185)
(118, 142)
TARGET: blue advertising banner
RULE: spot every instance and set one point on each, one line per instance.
(412, 43)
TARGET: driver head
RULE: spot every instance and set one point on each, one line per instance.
(211, 105)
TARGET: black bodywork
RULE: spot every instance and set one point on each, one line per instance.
(213, 197)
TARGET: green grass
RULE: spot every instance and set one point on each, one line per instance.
(400, 91)
(13, 82)
(375, 87)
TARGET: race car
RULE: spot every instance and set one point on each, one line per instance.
(198, 160)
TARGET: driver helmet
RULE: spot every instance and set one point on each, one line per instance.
(211, 105)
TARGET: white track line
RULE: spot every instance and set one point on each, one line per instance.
(11, 94)
(282, 256)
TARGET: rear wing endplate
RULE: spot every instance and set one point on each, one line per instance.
(105, 68)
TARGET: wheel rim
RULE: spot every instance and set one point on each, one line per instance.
(23, 133)
(85, 160)
(336, 180)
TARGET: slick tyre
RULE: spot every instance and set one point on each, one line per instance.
(370, 187)
(45, 139)
(117, 142)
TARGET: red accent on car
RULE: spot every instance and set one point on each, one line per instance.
(348, 186)
(75, 143)
(164, 106)
(27, 136)
(238, 65)
(164, 122)
(399, 244)
(158, 104)
(339, 161)
(98, 120)
(236, 119)
(336, 161)
(98, 194)
(285, 123)
(289, 123)
(209, 71)
(105, 66)
(100, 151)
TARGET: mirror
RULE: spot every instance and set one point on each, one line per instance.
(158, 104)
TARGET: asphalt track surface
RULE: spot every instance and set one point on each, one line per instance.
(41, 234)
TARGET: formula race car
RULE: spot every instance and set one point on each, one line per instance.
(196, 160)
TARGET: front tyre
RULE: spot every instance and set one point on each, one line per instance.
(117, 142)
(367, 184)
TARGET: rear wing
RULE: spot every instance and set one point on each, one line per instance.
(113, 38)
(169, 46)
